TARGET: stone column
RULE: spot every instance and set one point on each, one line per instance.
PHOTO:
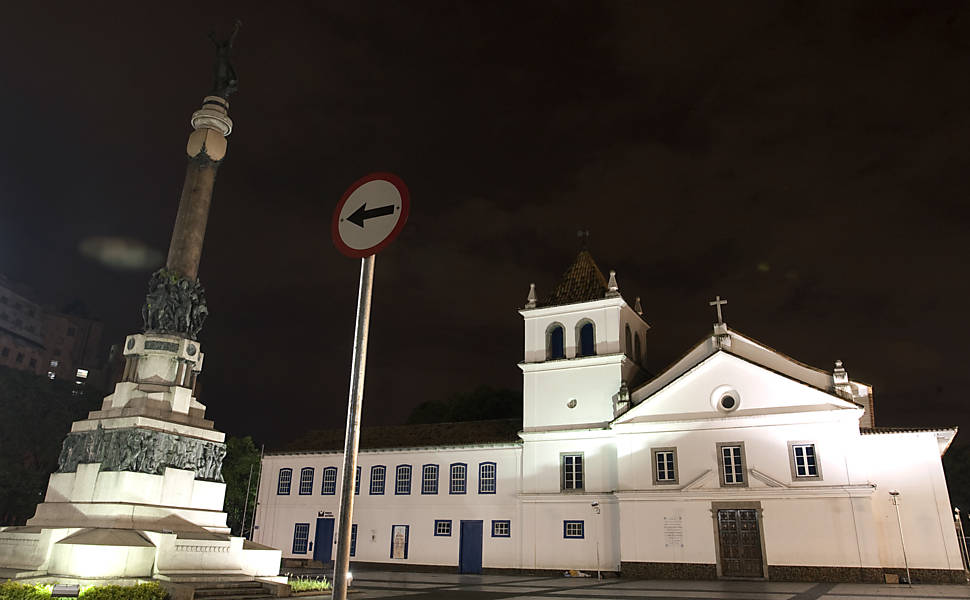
(206, 148)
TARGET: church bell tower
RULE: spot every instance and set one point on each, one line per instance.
(584, 347)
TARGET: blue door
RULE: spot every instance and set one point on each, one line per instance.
(470, 547)
(323, 541)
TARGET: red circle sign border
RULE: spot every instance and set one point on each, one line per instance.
(405, 211)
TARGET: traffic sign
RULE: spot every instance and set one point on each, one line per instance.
(370, 214)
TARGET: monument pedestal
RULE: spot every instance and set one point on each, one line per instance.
(138, 492)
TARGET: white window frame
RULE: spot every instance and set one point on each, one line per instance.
(731, 479)
(378, 482)
(568, 474)
(306, 483)
(429, 479)
(402, 480)
(667, 476)
(328, 485)
(487, 477)
(456, 484)
(793, 457)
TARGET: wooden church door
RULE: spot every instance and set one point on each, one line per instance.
(739, 538)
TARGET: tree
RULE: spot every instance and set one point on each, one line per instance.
(480, 404)
(956, 464)
(35, 415)
(242, 459)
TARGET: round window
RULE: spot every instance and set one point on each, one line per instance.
(725, 398)
(571, 403)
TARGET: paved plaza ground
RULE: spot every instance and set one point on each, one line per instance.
(435, 586)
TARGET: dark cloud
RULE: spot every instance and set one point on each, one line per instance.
(696, 142)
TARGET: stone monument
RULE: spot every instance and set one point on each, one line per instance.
(138, 492)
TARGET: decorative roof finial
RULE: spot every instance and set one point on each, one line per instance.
(530, 301)
(583, 235)
(840, 381)
(637, 307)
(614, 289)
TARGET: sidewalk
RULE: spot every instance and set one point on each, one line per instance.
(447, 586)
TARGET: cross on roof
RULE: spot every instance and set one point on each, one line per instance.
(718, 302)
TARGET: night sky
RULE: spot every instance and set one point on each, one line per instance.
(808, 162)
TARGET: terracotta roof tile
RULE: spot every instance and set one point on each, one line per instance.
(582, 282)
(412, 436)
(876, 430)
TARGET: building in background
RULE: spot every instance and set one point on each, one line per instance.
(44, 341)
(735, 461)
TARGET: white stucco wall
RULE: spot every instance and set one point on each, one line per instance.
(376, 514)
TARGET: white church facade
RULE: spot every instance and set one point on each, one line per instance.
(735, 461)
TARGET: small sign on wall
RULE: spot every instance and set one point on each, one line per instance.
(399, 541)
(673, 532)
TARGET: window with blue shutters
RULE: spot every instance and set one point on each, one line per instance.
(353, 539)
(486, 478)
(306, 481)
(501, 528)
(429, 479)
(283, 484)
(573, 529)
(403, 480)
(301, 536)
(329, 486)
(378, 473)
(357, 483)
(459, 475)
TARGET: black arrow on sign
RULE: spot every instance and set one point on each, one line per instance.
(362, 214)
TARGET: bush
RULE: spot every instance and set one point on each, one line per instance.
(10, 590)
(142, 591)
(146, 591)
(304, 584)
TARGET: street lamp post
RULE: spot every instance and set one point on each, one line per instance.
(596, 511)
(894, 498)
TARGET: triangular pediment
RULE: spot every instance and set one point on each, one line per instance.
(695, 393)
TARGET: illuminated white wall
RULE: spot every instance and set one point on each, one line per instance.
(376, 514)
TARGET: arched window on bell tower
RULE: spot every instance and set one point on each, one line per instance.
(637, 354)
(587, 339)
(555, 345)
(629, 342)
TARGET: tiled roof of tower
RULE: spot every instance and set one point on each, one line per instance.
(582, 282)
(496, 431)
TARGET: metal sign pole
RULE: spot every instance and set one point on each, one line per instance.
(352, 438)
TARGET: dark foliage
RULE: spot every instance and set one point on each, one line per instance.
(144, 591)
(35, 415)
(481, 404)
(956, 463)
(241, 454)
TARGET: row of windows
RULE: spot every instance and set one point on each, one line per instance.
(555, 340)
(633, 347)
(5, 352)
(501, 528)
(802, 456)
(457, 480)
(17, 306)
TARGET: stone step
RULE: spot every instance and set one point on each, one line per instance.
(259, 595)
(232, 591)
(219, 592)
